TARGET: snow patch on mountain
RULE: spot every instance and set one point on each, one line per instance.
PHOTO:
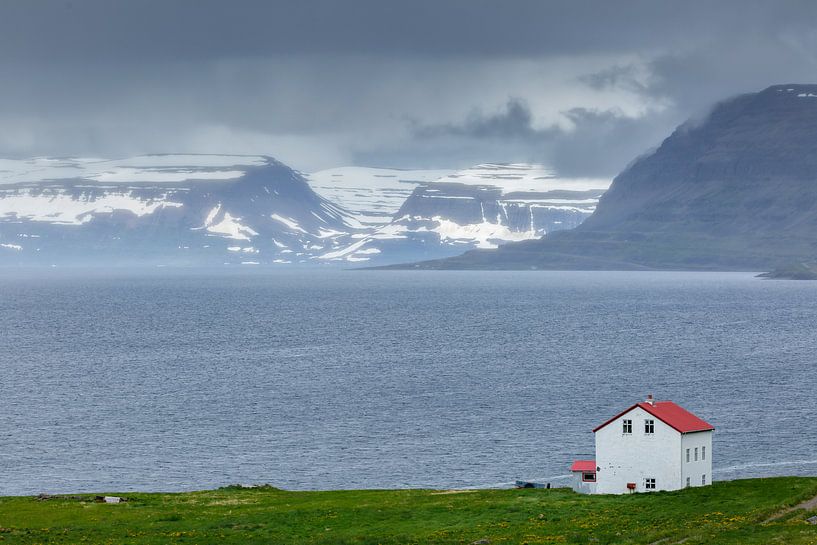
(292, 224)
(58, 205)
(222, 223)
(480, 235)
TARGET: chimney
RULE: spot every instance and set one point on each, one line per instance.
(650, 400)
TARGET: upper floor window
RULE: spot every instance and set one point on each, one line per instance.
(703, 453)
(627, 426)
(649, 426)
(687, 455)
(696, 454)
(649, 484)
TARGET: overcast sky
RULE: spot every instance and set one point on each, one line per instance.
(585, 86)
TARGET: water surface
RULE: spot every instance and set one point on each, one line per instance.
(178, 381)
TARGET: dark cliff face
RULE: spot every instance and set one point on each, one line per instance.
(463, 204)
(735, 191)
(752, 164)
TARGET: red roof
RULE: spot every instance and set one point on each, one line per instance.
(670, 414)
(584, 465)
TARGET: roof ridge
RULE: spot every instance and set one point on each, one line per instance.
(683, 421)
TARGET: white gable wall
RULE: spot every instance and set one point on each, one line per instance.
(692, 469)
(632, 458)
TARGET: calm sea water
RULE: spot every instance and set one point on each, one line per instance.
(147, 381)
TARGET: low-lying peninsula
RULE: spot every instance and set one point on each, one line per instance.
(794, 271)
(752, 511)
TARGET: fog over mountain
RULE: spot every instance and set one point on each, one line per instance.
(734, 191)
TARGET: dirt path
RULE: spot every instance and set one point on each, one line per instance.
(668, 541)
(807, 505)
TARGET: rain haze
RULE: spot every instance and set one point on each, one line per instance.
(582, 86)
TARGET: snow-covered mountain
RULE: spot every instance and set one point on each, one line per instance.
(163, 209)
(480, 207)
(232, 209)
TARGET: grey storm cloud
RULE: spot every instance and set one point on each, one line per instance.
(608, 136)
(514, 121)
(584, 85)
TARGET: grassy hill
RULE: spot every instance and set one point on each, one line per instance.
(727, 512)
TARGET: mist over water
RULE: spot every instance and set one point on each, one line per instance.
(327, 380)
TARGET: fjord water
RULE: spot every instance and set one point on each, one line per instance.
(343, 379)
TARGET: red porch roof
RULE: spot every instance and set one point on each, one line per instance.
(670, 414)
(584, 465)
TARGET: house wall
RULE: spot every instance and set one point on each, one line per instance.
(631, 458)
(580, 486)
(693, 469)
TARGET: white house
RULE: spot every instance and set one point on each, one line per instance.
(654, 445)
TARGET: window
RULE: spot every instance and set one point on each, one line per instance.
(649, 484)
(703, 478)
(703, 453)
(696, 454)
(687, 482)
(687, 455)
(649, 426)
(589, 476)
(627, 426)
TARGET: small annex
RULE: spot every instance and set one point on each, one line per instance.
(652, 445)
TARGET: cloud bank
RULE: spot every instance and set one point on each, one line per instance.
(582, 85)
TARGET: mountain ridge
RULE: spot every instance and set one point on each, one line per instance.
(214, 210)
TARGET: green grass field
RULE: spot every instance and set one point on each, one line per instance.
(727, 512)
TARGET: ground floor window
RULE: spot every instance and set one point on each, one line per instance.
(649, 484)
(687, 482)
(589, 476)
(703, 478)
